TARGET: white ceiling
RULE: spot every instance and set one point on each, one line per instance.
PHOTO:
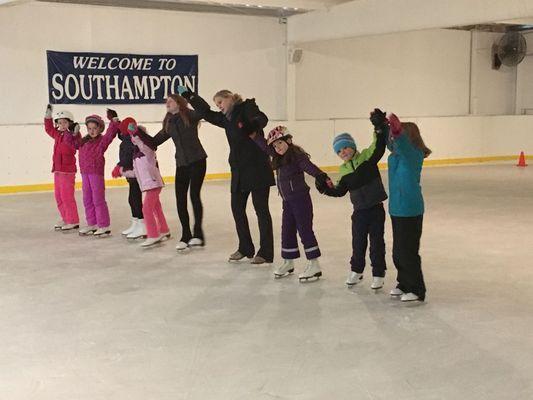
(269, 8)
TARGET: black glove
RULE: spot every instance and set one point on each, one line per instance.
(111, 114)
(186, 95)
(74, 128)
(321, 182)
(48, 112)
(378, 119)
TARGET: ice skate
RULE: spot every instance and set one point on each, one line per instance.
(354, 278)
(182, 247)
(311, 271)
(102, 232)
(377, 282)
(150, 242)
(396, 292)
(196, 243)
(126, 232)
(69, 227)
(164, 236)
(285, 269)
(58, 225)
(88, 230)
(409, 297)
(258, 260)
(138, 232)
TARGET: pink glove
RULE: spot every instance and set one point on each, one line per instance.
(116, 173)
(395, 125)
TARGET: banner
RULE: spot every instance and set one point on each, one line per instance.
(105, 78)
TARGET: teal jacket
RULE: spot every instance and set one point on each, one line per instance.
(405, 167)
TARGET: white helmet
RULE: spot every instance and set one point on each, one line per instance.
(65, 115)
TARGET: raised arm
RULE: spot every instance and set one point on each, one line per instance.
(49, 127)
(255, 119)
(110, 134)
(202, 109)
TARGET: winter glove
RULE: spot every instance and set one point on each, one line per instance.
(48, 112)
(184, 92)
(322, 182)
(378, 119)
(112, 115)
(395, 125)
(117, 171)
(74, 127)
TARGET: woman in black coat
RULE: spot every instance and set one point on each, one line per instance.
(251, 172)
(181, 124)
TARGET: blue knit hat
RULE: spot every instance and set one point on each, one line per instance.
(343, 140)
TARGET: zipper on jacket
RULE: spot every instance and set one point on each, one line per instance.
(292, 188)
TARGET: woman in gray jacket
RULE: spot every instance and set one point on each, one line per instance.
(181, 124)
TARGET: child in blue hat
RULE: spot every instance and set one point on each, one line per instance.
(359, 174)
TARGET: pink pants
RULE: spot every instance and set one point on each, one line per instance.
(96, 211)
(154, 219)
(64, 193)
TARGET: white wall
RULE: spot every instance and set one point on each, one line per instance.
(424, 73)
(419, 75)
(244, 54)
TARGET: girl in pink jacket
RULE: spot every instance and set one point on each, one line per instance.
(92, 162)
(150, 181)
(61, 128)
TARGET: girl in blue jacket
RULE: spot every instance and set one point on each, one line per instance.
(406, 206)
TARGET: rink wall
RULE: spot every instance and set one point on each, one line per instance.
(454, 140)
(439, 78)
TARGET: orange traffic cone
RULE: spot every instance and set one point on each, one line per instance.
(521, 160)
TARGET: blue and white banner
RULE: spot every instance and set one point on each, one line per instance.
(105, 78)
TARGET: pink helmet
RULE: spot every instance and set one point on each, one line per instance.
(279, 132)
(97, 120)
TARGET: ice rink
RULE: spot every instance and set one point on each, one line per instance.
(102, 319)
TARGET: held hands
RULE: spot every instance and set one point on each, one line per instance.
(184, 92)
(117, 172)
(378, 119)
(74, 127)
(112, 115)
(395, 125)
(48, 112)
(323, 182)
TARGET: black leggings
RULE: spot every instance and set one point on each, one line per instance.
(135, 198)
(190, 175)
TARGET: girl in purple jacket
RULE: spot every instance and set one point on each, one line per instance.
(290, 162)
(92, 162)
(150, 181)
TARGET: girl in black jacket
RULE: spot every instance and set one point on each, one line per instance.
(181, 124)
(251, 172)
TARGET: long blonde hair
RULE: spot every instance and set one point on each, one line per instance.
(224, 93)
(414, 136)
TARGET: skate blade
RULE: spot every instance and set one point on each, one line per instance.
(156, 244)
(75, 228)
(313, 278)
(86, 234)
(279, 276)
(183, 251)
(136, 238)
(102, 235)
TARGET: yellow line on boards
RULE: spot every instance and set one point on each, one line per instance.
(44, 187)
